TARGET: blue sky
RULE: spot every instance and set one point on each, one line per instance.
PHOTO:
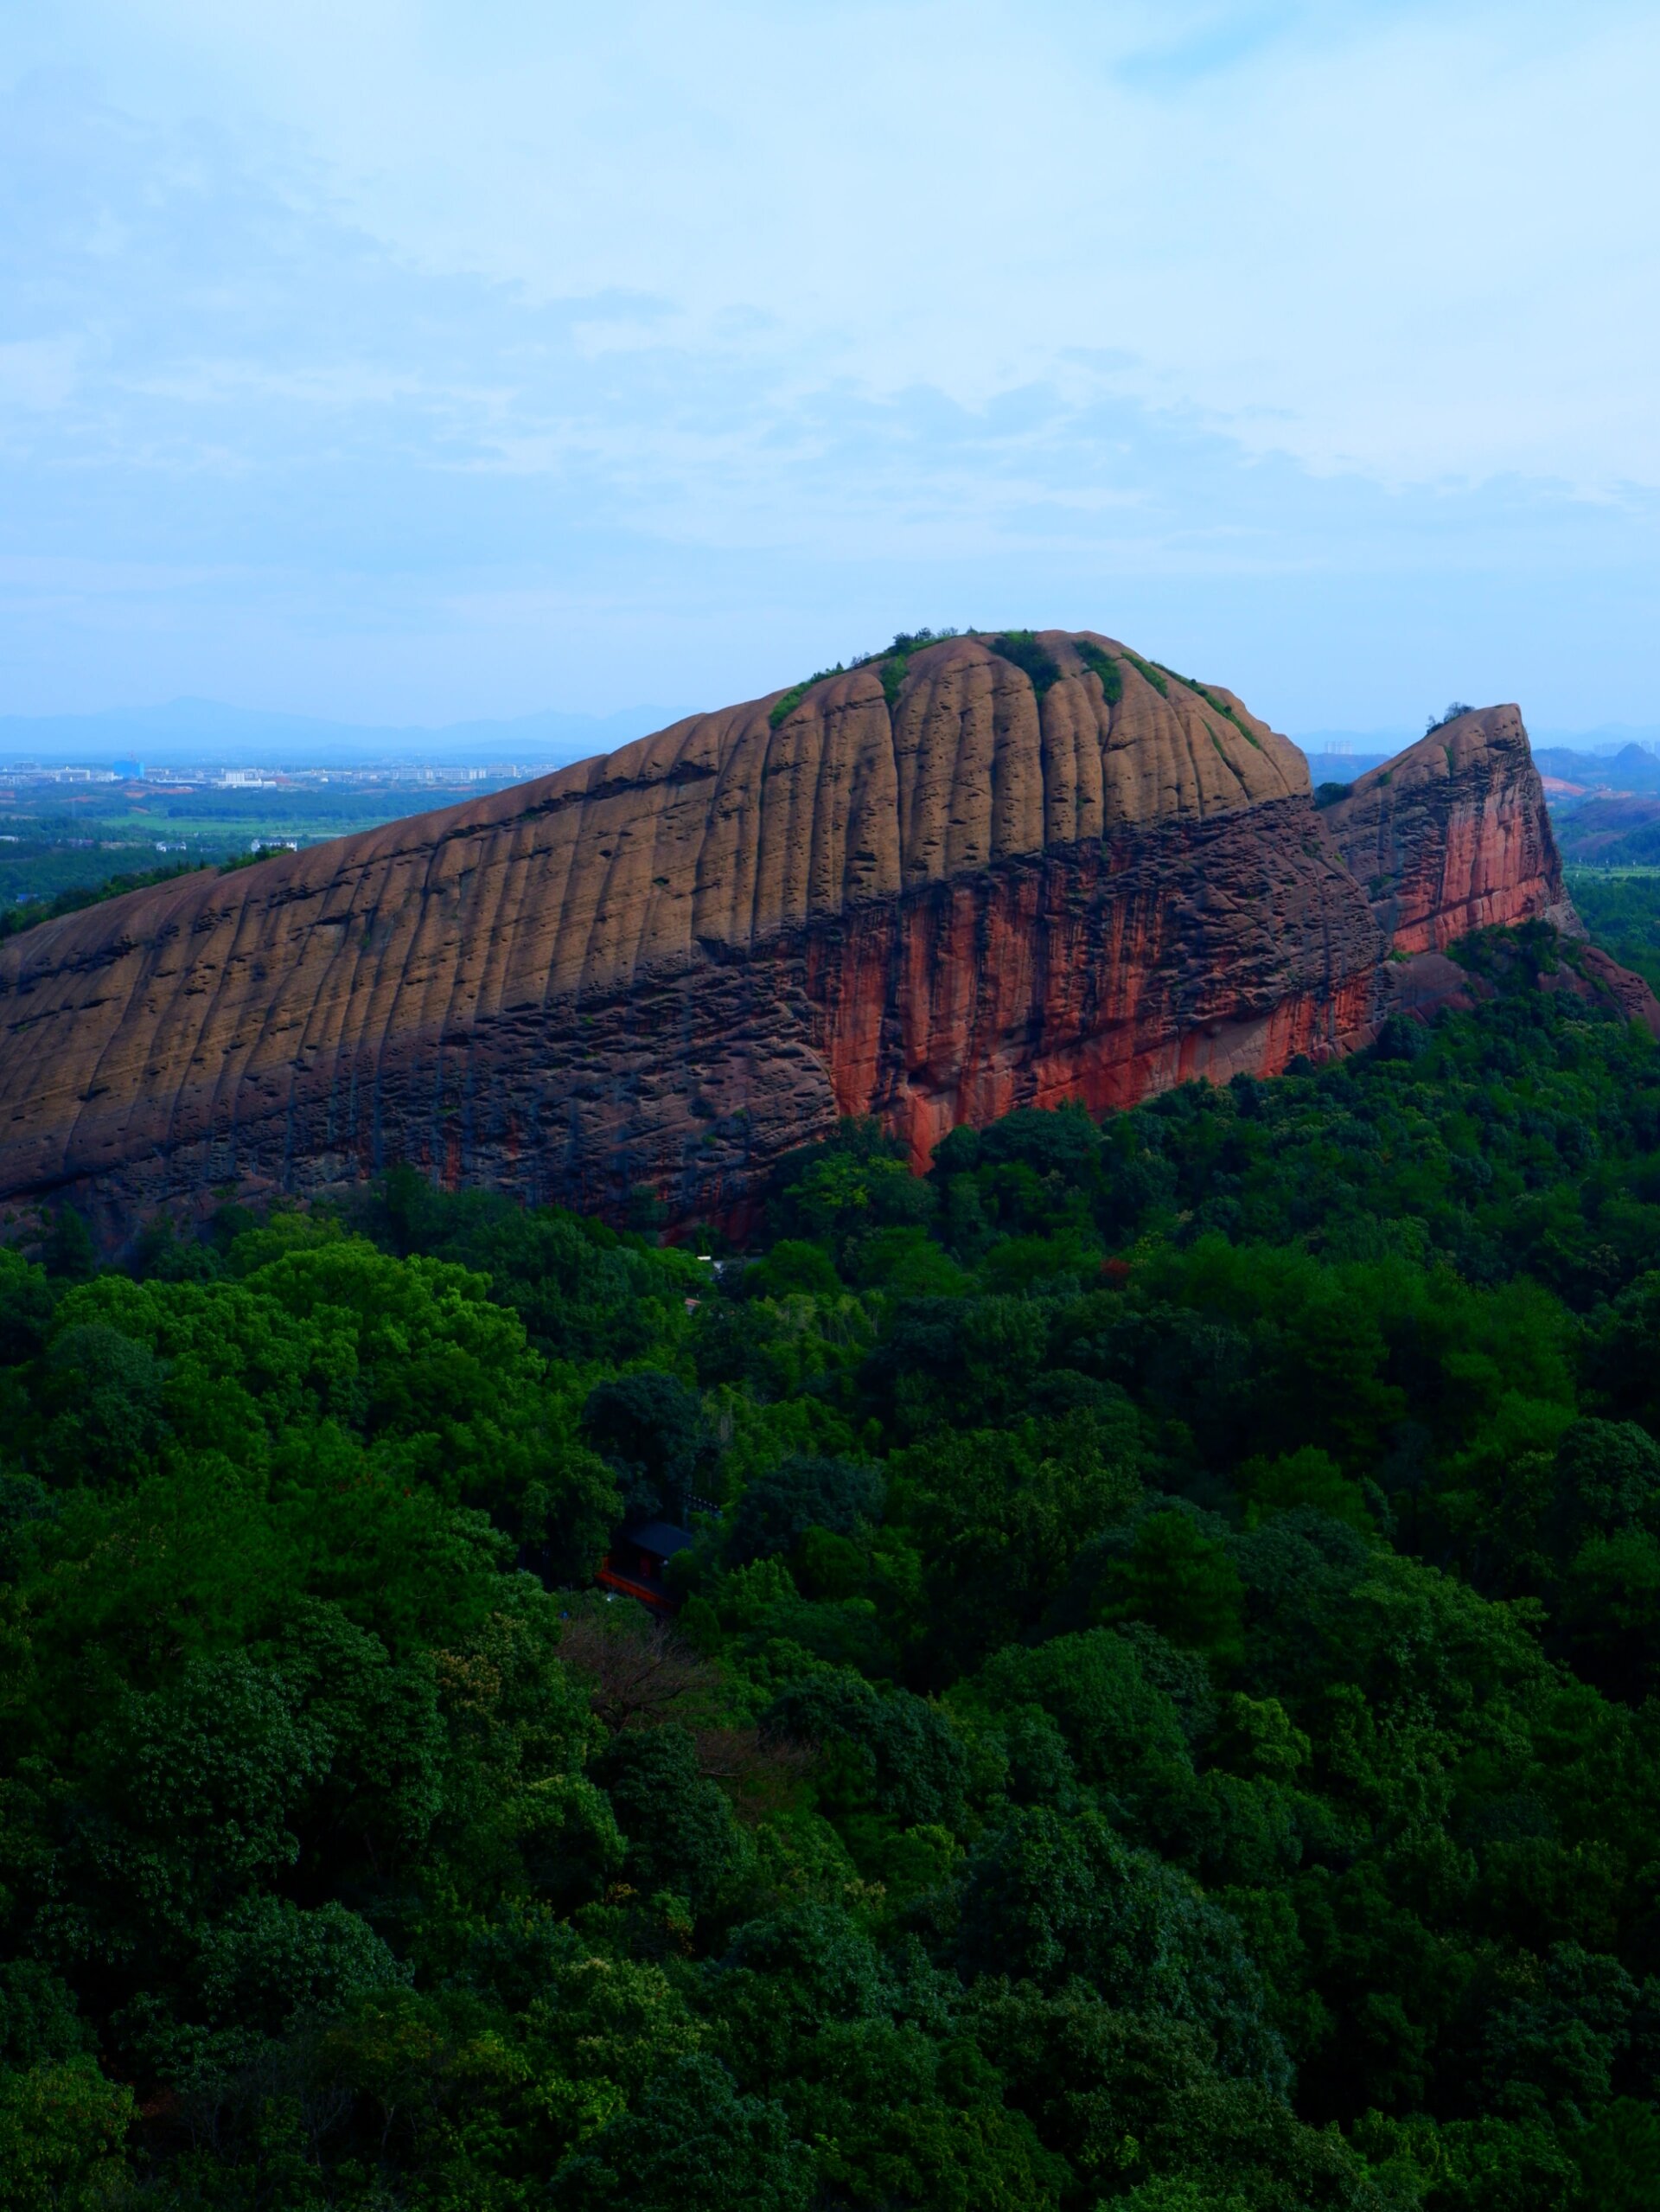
(412, 361)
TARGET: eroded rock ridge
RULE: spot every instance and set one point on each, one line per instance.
(931, 888)
(1452, 835)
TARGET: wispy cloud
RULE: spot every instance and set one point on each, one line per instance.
(429, 366)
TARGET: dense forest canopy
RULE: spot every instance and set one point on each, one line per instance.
(1621, 908)
(1164, 1716)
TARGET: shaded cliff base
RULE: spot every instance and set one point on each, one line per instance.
(1292, 1034)
(1538, 954)
(1102, 973)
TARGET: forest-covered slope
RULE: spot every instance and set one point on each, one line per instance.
(1622, 913)
(1165, 1717)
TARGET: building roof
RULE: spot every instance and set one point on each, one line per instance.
(660, 1537)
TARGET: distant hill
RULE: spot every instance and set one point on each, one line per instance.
(1343, 767)
(1634, 768)
(1618, 831)
(1615, 756)
(1607, 738)
(186, 733)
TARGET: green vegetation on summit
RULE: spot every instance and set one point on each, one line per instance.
(1163, 1709)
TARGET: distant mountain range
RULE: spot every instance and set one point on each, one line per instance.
(1343, 767)
(1619, 831)
(1615, 757)
(1634, 768)
(190, 732)
(1378, 744)
(1607, 737)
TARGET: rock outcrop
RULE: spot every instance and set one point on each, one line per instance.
(984, 874)
(1452, 835)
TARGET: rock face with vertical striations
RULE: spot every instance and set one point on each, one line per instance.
(1453, 834)
(984, 873)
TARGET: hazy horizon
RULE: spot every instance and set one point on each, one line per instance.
(197, 731)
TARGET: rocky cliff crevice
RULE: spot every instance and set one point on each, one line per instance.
(931, 888)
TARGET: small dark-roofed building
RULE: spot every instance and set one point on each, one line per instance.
(637, 1559)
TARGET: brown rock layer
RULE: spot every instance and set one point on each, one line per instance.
(667, 966)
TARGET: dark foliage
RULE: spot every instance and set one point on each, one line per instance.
(783, 708)
(1030, 653)
(804, 1492)
(1622, 913)
(24, 913)
(1112, 676)
(649, 1428)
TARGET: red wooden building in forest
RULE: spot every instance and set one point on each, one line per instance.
(635, 1565)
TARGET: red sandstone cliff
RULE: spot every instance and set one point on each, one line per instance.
(934, 890)
(1453, 834)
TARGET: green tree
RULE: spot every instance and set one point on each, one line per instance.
(680, 1830)
(1183, 1583)
(62, 2133)
(694, 2141)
